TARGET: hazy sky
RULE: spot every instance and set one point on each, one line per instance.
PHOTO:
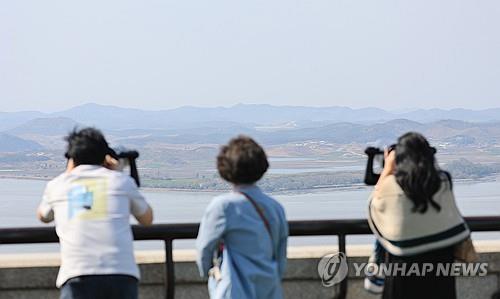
(164, 54)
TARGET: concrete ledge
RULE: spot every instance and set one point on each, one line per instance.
(33, 275)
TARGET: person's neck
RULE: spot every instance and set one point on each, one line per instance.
(244, 187)
(82, 165)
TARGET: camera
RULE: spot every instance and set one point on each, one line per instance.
(375, 155)
(127, 158)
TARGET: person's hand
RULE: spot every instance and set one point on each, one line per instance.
(111, 163)
(389, 167)
(389, 162)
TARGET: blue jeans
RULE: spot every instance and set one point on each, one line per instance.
(100, 287)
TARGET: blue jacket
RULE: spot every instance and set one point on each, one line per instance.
(249, 269)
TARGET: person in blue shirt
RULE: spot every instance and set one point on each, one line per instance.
(242, 241)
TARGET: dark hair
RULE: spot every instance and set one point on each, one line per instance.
(416, 171)
(86, 146)
(242, 161)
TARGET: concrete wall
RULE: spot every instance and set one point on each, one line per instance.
(33, 275)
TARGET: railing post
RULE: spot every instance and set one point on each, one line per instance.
(344, 283)
(169, 271)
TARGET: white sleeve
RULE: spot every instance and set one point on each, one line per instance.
(45, 208)
(138, 204)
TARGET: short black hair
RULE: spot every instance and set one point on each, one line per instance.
(242, 161)
(87, 146)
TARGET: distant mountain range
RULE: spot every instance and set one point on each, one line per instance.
(447, 131)
(47, 133)
(117, 118)
(12, 144)
(268, 124)
(45, 126)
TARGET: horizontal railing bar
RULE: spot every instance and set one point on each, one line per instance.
(28, 235)
(190, 230)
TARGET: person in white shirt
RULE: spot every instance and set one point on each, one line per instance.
(91, 204)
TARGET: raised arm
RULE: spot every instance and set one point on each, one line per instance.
(389, 168)
(146, 218)
(45, 213)
(139, 208)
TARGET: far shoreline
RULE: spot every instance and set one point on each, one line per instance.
(339, 188)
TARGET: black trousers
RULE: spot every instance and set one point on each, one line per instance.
(100, 287)
(429, 286)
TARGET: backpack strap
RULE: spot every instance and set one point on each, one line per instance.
(263, 217)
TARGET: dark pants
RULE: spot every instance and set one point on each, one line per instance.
(418, 287)
(100, 287)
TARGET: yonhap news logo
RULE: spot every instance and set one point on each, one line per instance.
(333, 268)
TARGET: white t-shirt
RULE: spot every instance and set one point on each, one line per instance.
(92, 207)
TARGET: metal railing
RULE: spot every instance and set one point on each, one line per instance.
(169, 232)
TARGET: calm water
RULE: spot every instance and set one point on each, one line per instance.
(19, 200)
(318, 169)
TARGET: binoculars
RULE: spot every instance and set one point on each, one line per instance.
(127, 158)
(377, 154)
(374, 153)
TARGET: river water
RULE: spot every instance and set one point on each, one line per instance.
(19, 200)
